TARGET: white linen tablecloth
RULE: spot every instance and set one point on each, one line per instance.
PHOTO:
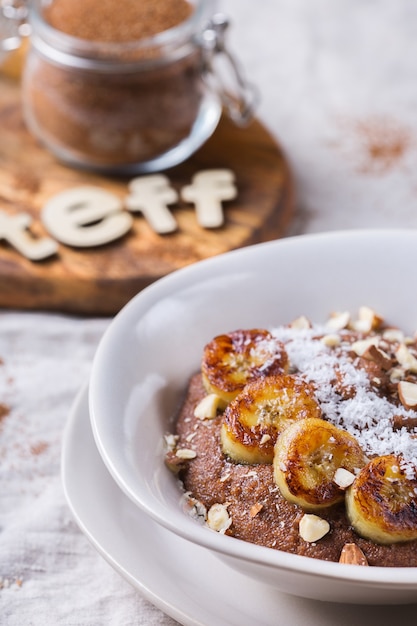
(338, 83)
(49, 573)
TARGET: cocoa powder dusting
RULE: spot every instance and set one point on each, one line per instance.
(109, 21)
(377, 144)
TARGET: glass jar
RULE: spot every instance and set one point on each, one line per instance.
(135, 106)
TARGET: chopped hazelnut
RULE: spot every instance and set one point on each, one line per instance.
(372, 353)
(362, 345)
(407, 393)
(255, 509)
(186, 454)
(174, 463)
(338, 320)
(170, 441)
(396, 374)
(393, 334)
(406, 358)
(367, 320)
(312, 528)
(343, 478)
(265, 439)
(331, 340)
(218, 518)
(207, 407)
(352, 554)
(301, 323)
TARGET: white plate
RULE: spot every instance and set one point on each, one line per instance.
(184, 580)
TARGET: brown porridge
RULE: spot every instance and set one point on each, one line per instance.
(356, 369)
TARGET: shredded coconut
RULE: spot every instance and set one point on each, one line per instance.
(366, 415)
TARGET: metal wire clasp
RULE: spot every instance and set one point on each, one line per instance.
(13, 23)
(223, 74)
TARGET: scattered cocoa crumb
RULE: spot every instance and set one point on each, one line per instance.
(39, 448)
(4, 411)
(5, 583)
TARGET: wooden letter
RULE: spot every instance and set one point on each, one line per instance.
(13, 228)
(85, 217)
(150, 196)
(207, 190)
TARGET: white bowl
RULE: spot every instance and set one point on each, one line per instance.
(155, 343)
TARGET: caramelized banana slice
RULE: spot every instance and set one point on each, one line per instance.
(307, 457)
(265, 407)
(234, 359)
(381, 503)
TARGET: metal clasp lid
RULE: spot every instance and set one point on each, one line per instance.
(13, 24)
(223, 74)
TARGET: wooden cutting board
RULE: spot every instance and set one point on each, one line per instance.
(99, 281)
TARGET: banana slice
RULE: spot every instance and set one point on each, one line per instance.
(381, 503)
(307, 456)
(234, 359)
(265, 407)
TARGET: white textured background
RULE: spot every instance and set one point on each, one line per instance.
(338, 80)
